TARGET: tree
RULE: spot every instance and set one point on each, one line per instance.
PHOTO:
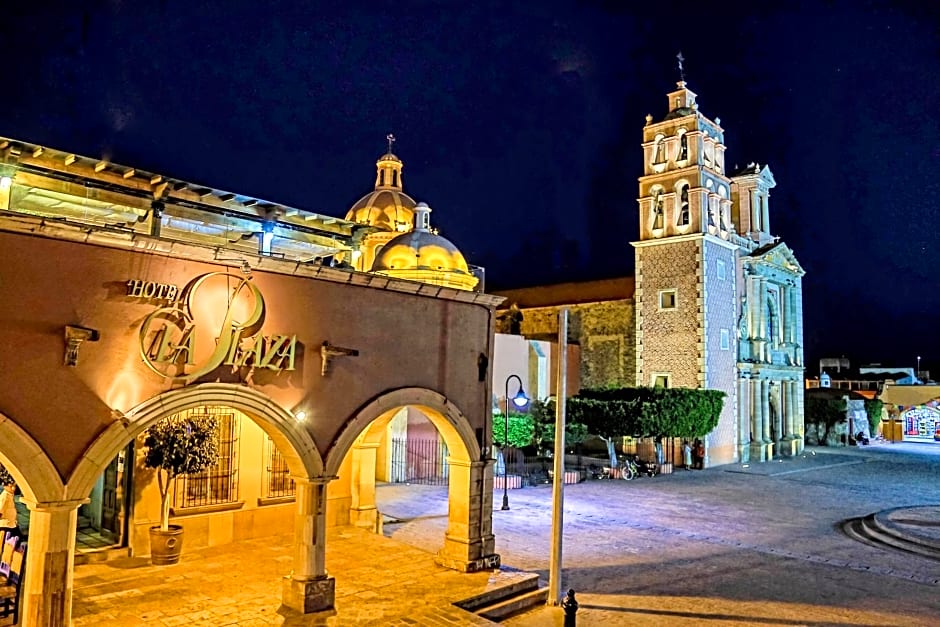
(874, 408)
(180, 446)
(662, 412)
(827, 412)
(521, 429)
(611, 413)
(543, 418)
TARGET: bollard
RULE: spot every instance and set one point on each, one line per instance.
(570, 606)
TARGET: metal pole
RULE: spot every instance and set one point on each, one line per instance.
(505, 448)
(558, 495)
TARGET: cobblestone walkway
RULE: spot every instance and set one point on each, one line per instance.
(378, 582)
(726, 546)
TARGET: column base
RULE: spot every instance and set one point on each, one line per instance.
(309, 595)
(744, 453)
(761, 452)
(489, 562)
(366, 517)
(789, 447)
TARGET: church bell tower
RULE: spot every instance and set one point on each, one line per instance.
(686, 261)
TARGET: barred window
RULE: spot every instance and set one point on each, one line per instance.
(218, 484)
(277, 481)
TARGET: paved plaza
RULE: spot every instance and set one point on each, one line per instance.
(734, 545)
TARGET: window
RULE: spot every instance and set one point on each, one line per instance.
(667, 299)
(277, 481)
(660, 380)
(721, 271)
(658, 208)
(725, 340)
(683, 205)
(218, 484)
(659, 149)
(683, 145)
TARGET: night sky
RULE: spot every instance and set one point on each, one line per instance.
(520, 124)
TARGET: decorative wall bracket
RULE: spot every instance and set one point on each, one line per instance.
(328, 352)
(74, 336)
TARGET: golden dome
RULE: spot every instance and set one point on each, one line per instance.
(387, 207)
(424, 256)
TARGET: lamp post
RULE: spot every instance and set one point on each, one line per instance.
(917, 376)
(520, 400)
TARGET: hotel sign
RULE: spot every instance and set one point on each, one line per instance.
(214, 321)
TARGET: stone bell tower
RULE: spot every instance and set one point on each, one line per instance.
(686, 262)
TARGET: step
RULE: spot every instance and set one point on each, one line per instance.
(878, 533)
(92, 556)
(522, 584)
(515, 605)
(866, 530)
(886, 524)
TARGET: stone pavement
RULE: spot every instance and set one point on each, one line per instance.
(378, 582)
(725, 546)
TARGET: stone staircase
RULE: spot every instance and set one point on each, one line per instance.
(911, 529)
(501, 603)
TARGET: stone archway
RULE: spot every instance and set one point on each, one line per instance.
(468, 543)
(47, 592)
(288, 434)
(35, 474)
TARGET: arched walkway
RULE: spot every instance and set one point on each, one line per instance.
(468, 543)
(47, 594)
(289, 435)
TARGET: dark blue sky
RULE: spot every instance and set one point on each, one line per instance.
(520, 124)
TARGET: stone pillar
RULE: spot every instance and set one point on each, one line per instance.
(362, 509)
(791, 408)
(755, 208)
(469, 544)
(765, 411)
(762, 317)
(756, 452)
(765, 213)
(744, 420)
(46, 596)
(308, 588)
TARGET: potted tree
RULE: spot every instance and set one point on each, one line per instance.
(177, 446)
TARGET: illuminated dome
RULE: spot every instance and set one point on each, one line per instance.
(387, 207)
(424, 256)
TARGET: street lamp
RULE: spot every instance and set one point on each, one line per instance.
(520, 400)
(918, 368)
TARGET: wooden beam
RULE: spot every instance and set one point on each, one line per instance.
(101, 165)
(156, 178)
(69, 159)
(37, 151)
(129, 173)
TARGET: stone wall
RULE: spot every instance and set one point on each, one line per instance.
(669, 340)
(603, 330)
(720, 314)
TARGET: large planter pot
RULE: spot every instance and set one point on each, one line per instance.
(165, 546)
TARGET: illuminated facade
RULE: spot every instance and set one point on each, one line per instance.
(397, 239)
(716, 301)
(129, 297)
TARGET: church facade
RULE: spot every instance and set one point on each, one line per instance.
(716, 301)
